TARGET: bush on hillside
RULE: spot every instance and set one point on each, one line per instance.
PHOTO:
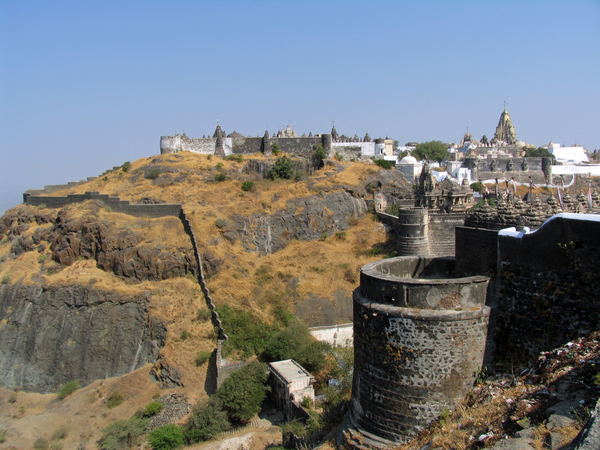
(247, 332)
(383, 163)
(152, 409)
(206, 421)
(68, 389)
(114, 400)
(244, 391)
(275, 148)
(221, 223)
(247, 186)
(123, 434)
(318, 156)
(166, 437)
(283, 168)
(202, 357)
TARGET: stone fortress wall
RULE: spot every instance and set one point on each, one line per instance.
(541, 291)
(287, 141)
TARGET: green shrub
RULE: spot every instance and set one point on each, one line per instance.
(219, 166)
(60, 433)
(126, 166)
(184, 335)
(114, 400)
(68, 389)
(41, 444)
(295, 342)
(383, 163)
(209, 157)
(202, 357)
(275, 148)
(478, 187)
(206, 421)
(220, 177)
(340, 235)
(248, 186)
(152, 409)
(2, 437)
(247, 332)
(319, 155)
(237, 158)
(12, 398)
(153, 173)
(244, 391)
(166, 437)
(306, 402)
(123, 434)
(5, 279)
(283, 168)
(221, 223)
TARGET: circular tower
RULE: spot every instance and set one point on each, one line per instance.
(412, 232)
(419, 340)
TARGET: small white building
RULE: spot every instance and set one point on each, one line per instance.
(290, 384)
(410, 168)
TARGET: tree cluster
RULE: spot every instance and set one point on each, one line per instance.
(432, 150)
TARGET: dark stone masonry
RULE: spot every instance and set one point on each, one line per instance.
(419, 341)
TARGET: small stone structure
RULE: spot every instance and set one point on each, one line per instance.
(419, 340)
(290, 384)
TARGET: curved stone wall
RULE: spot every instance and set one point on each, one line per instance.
(412, 231)
(419, 340)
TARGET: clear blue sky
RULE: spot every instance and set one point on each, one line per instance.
(85, 85)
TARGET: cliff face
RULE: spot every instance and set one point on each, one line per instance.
(52, 335)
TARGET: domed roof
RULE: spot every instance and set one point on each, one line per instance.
(408, 160)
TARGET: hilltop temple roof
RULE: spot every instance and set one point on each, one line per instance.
(505, 131)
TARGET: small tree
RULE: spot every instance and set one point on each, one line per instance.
(275, 148)
(207, 420)
(243, 392)
(283, 168)
(434, 150)
(318, 156)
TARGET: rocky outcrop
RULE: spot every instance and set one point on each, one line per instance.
(304, 219)
(123, 251)
(52, 335)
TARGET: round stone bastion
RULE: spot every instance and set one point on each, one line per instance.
(419, 341)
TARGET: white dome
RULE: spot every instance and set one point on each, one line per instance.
(408, 160)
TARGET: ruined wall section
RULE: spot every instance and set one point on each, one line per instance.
(115, 204)
(550, 292)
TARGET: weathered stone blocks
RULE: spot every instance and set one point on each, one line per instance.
(419, 342)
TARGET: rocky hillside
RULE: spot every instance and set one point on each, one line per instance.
(88, 293)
